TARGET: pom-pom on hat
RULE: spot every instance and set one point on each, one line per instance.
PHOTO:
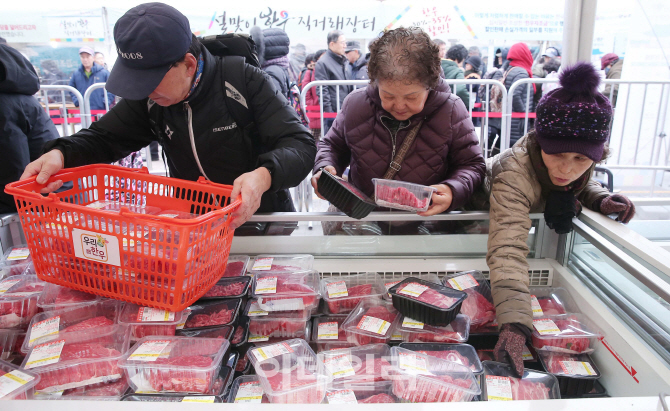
(576, 117)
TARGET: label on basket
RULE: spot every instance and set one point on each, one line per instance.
(337, 290)
(535, 306)
(266, 285)
(271, 351)
(412, 362)
(204, 399)
(147, 314)
(328, 331)
(389, 285)
(577, 368)
(413, 289)
(97, 247)
(339, 366)
(410, 323)
(8, 283)
(373, 325)
(249, 392)
(498, 388)
(12, 381)
(18, 254)
(463, 282)
(255, 310)
(44, 328)
(258, 338)
(262, 264)
(526, 355)
(149, 351)
(546, 327)
(45, 354)
(341, 397)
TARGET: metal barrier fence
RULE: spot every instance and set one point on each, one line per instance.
(63, 111)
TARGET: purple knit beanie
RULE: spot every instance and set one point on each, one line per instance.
(574, 118)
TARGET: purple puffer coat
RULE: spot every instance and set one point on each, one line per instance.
(446, 150)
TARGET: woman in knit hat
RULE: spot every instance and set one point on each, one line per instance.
(548, 170)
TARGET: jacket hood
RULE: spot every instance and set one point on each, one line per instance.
(519, 56)
(17, 74)
(436, 98)
(276, 43)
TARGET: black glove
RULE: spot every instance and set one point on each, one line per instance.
(561, 207)
(510, 346)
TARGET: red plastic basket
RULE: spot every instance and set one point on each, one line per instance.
(153, 261)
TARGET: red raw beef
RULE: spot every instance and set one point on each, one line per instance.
(486, 355)
(67, 296)
(570, 328)
(434, 334)
(430, 388)
(234, 269)
(290, 284)
(181, 380)
(378, 399)
(205, 320)
(281, 327)
(431, 297)
(225, 290)
(139, 331)
(400, 196)
(77, 375)
(239, 335)
(242, 364)
(370, 371)
(283, 268)
(528, 390)
(450, 355)
(550, 306)
(216, 387)
(346, 304)
(110, 389)
(18, 312)
(478, 308)
(377, 311)
(553, 362)
(90, 323)
(291, 380)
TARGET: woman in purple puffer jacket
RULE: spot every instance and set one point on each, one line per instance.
(405, 92)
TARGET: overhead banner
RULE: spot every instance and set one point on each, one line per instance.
(23, 28)
(76, 28)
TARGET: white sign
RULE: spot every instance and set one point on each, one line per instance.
(97, 247)
(76, 27)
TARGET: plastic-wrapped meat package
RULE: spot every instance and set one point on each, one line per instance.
(210, 335)
(452, 356)
(372, 321)
(286, 291)
(500, 384)
(479, 303)
(523, 389)
(286, 324)
(486, 355)
(365, 364)
(343, 293)
(462, 354)
(297, 377)
(242, 364)
(222, 312)
(144, 321)
(457, 331)
(431, 297)
(569, 333)
(8, 339)
(228, 287)
(22, 392)
(82, 361)
(112, 389)
(554, 363)
(442, 388)
(328, 331)
(18, 300)
(67, 297)
(282, 263)
(237, 265)
(378, 399)
(402, 195)
(241, 333)
(347, 305)
(15, 261)
(550, 306)
(247, 389)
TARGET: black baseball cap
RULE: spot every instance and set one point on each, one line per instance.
(149, 39)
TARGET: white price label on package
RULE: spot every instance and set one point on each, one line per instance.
(149, 351)
(411, 323)
(328, 331)
(339, 366)
(271, 351)
(341, 397)
(39, 330)
(577, 368)
(546, 326)
(45, 354)
(535, 306)
(249, 392)
(498, 388)
(12, 381)
(262, 264)
(18, 254)
(266, 285)
(205, 399)
(413, 289)
(337, 290)
(373, 325)
(413, 363)
(463, 282)
(146, 314)
(8, 283)
(255, 310)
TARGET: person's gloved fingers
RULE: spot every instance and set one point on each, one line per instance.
(611, 206)
(627, 215)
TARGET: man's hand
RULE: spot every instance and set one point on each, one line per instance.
(251, 186)
(441, 200)
(44, 167)
(315, 179)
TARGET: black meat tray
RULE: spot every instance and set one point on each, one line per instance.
(343, 195)
(231, 280)
(426, 313)
(576, 386)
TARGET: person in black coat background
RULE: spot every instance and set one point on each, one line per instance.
(273, 48)
(24, 124)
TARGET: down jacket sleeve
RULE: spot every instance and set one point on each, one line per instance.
(466, 164)
(333, 148)
(592, 193)
(507, 247)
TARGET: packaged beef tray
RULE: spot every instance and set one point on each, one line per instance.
(567, 333)
(174, 364)
(282, 263)
(15, 261)
(15, 383)
(364, 364)
(144, 321)
(237, 266)
(56, 297)
(49, 325)
(228, 287)
(432, 304)
(328, 331)
(247, 389)
(411, 330)
(197, 398)
(345, 196)
(267, 324)
(362, 393)
(422, 378)
(388, 283)
(402, 195)
(463, 354)
(213, 313)
(290, 372)
(75, 360)
(286, 291)
(372, 321)
(8, 341)
(547, 301)
(241, 332)
(479, 303)
(18, 300)
(104, 391)
(221, 331)
(343, 293)
(576, 373)
(499, 384)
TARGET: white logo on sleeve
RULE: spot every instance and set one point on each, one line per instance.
(225, 128)
(168, 132)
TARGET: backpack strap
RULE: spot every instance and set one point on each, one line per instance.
(235, 87)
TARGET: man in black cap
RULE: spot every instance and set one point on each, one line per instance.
(358, 62)
(174, 92)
